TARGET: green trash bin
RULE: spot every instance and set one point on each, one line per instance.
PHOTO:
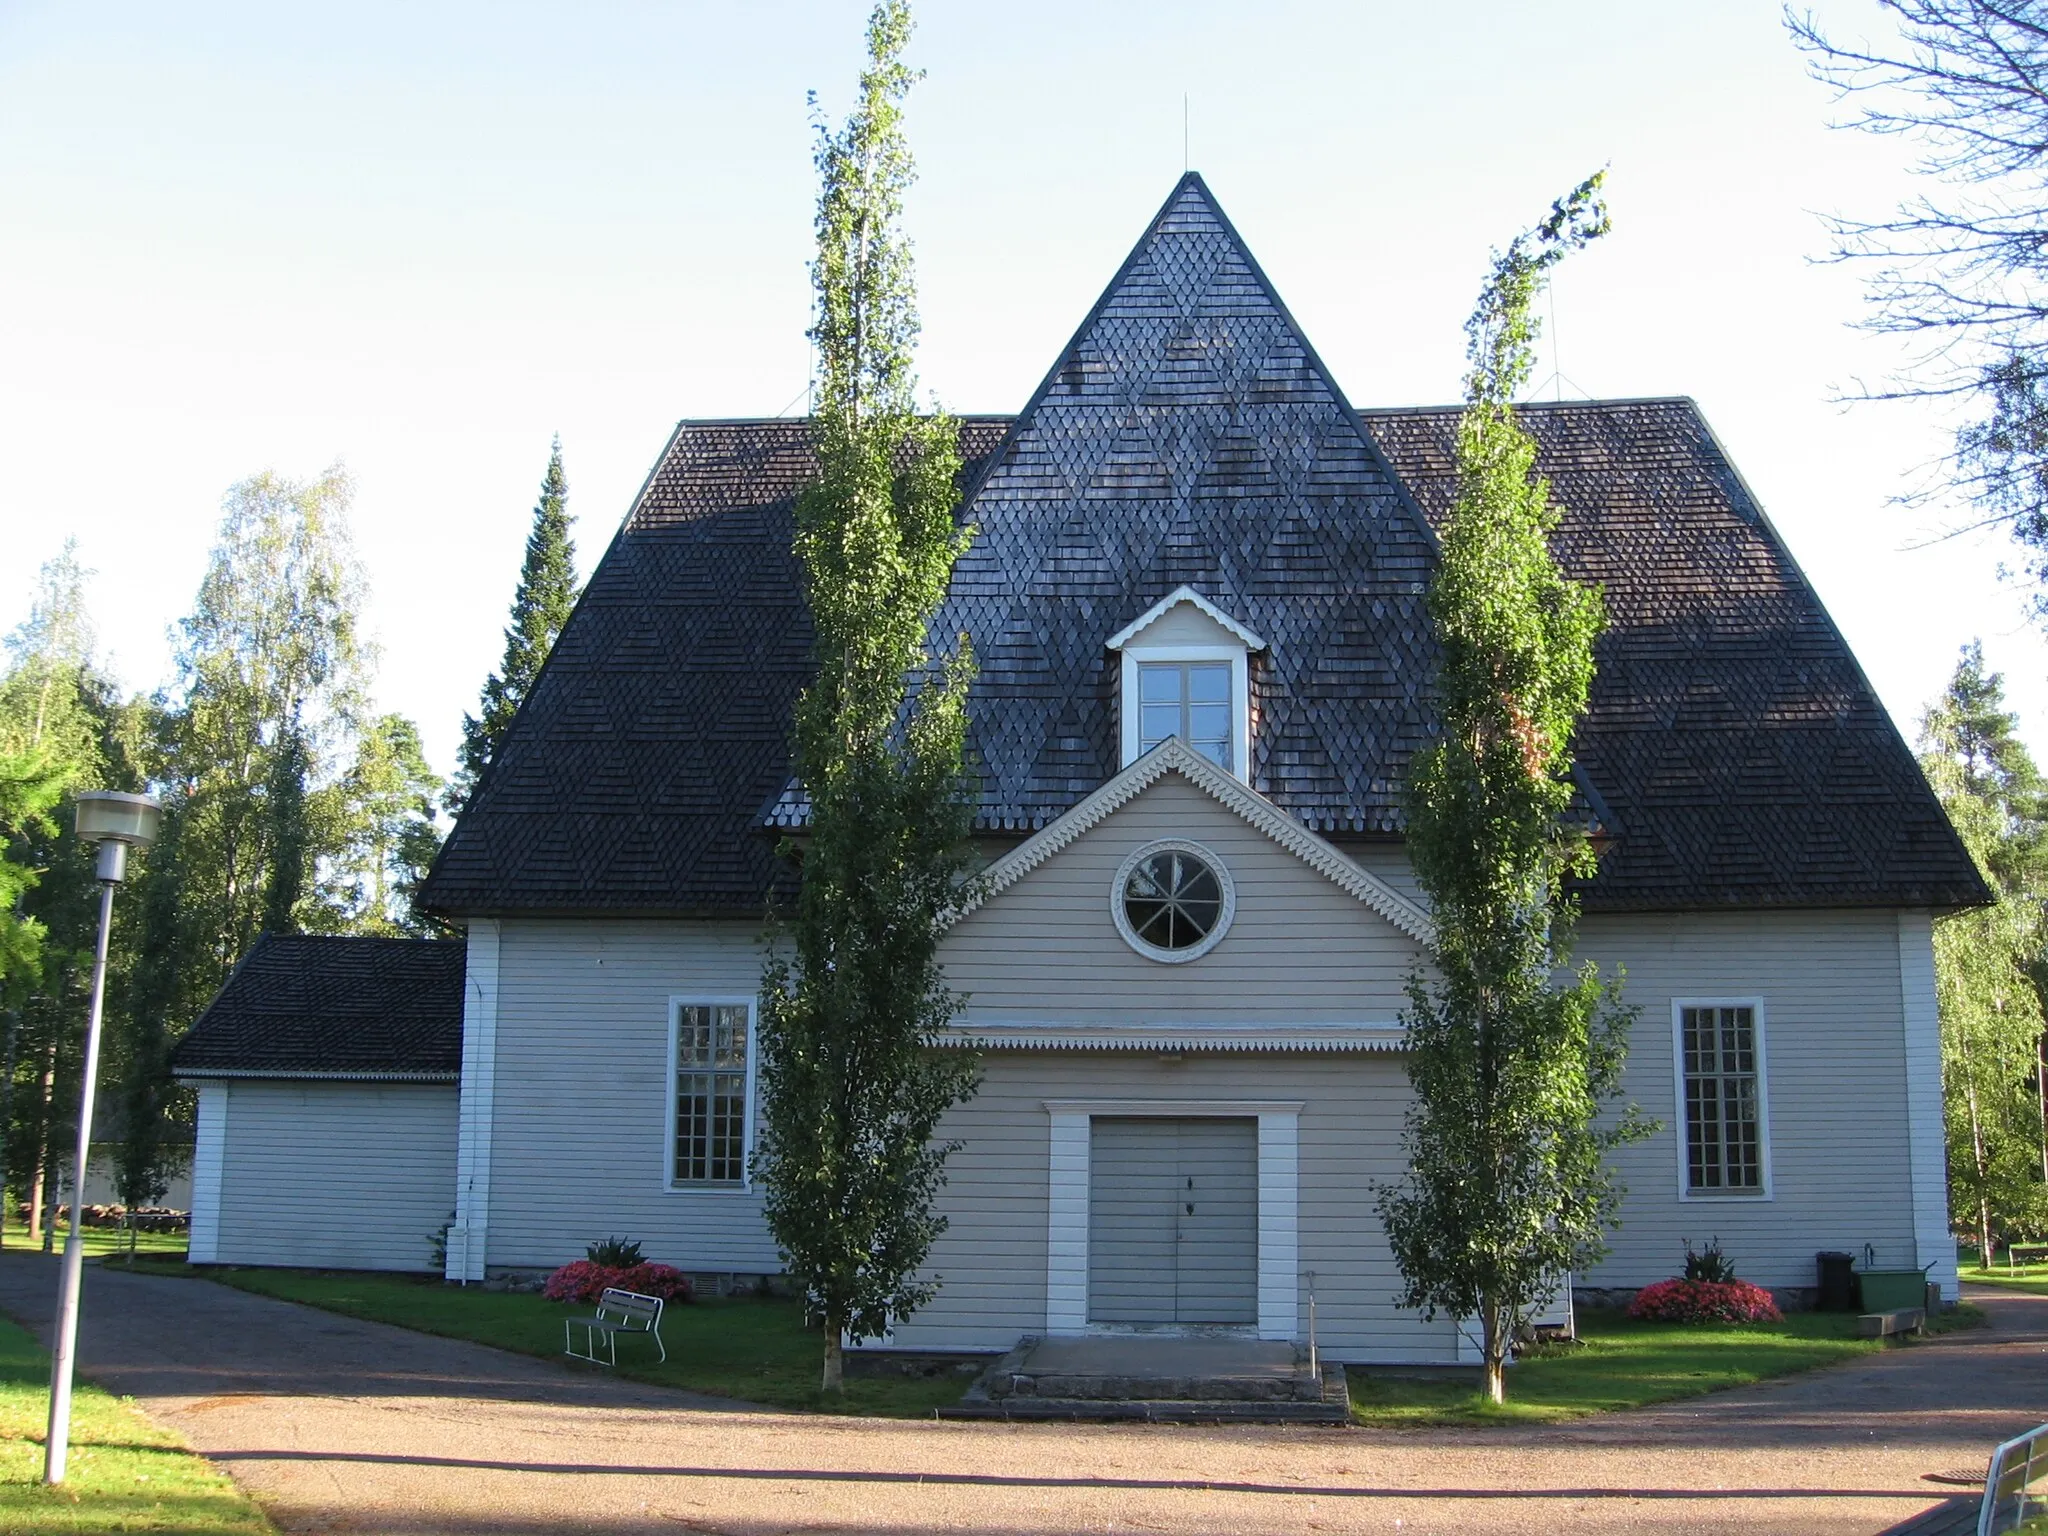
(1889, 1290)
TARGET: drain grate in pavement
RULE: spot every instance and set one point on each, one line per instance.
(1962, 1477)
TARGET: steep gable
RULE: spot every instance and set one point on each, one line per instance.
(1189, 436)
(1314, 943)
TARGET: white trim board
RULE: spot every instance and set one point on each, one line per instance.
(1686, 1194)
(1175, 756)
(1279, 1175)
(669, 1184)
(209, 1165)
(468, 1238)
(1926, 1140)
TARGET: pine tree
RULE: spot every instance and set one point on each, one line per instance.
(1988, 962)
(290, 839)
(853, 1080)
(1507, 1188)
(540, 607)
(386, 804)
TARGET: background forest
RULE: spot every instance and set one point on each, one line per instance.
(290, 806)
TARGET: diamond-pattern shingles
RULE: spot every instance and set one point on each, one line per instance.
(1188, 438)
(635, 776)
(1746, 759)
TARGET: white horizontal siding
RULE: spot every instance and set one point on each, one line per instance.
(578, 1138)
(1841, 1175)
(1047, 948)
(331, 1175)
(992, 1260)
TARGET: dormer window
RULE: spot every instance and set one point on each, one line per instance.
(1188, 699)
(1185, 672)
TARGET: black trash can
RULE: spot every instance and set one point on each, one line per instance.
(1837, 1281)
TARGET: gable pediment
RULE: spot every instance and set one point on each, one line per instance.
(1256, 812)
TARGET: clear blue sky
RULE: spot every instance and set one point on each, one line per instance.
(422, 238)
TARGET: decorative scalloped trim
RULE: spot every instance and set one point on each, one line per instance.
(1251, 1038)
(1254, 808)
(283, 1074)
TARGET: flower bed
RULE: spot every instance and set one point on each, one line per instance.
(1704, 1301)
(585, 1281)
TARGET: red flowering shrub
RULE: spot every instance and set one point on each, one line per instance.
(663, 1280)
(1704, 1301)
(585, 1281)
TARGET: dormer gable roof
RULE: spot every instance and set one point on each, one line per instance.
(1178, 597)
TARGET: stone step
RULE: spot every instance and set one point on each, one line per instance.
(1157, 1379)
(1151, 1411)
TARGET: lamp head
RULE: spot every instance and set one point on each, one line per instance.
(108, 815)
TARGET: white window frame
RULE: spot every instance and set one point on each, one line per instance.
(1767, 1190)
(1240, 696)
(1132, 648)
(1215, 935)
(676, 1004)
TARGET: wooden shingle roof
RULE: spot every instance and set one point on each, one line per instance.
(1189, 436)
(329, 1006)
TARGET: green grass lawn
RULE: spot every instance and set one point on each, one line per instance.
(756, 1350)
(125, 1473)
(1619, 1363)
(2029, 1277)
(99, 1240)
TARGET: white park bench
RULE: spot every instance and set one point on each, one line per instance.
(617, 1312)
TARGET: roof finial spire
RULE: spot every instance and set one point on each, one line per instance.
(1186, 165)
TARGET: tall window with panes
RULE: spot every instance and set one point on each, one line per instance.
(711, 1093)
(1188, 699)
(1723, 1117)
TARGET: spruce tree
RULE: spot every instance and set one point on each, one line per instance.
(853, 1004)
(540, 607)
(1507, 1188)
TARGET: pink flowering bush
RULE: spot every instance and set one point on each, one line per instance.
(1704, 1301)
(580, 1281)
(586, 1281)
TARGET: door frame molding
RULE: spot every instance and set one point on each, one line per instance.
(1279, 1177)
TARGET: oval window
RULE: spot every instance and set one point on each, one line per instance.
(1173, 900)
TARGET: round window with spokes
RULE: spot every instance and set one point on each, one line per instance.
(1173, 901)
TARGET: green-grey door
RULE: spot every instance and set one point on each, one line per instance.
(1173, 1220)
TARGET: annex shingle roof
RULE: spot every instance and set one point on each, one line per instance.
(304, 1005)
(1189, 436)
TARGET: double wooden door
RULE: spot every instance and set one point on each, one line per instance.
(1173, 1220)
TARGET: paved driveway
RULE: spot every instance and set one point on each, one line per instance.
(338, 1425)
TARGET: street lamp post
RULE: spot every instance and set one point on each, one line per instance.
(114, 821)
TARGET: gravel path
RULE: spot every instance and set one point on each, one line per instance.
(337, 1425)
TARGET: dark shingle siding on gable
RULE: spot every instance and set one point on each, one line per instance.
(636, 773)
(1189, 435)
(302, 1005)
(1747, 759)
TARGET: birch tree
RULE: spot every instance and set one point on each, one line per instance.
(1989, 962)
